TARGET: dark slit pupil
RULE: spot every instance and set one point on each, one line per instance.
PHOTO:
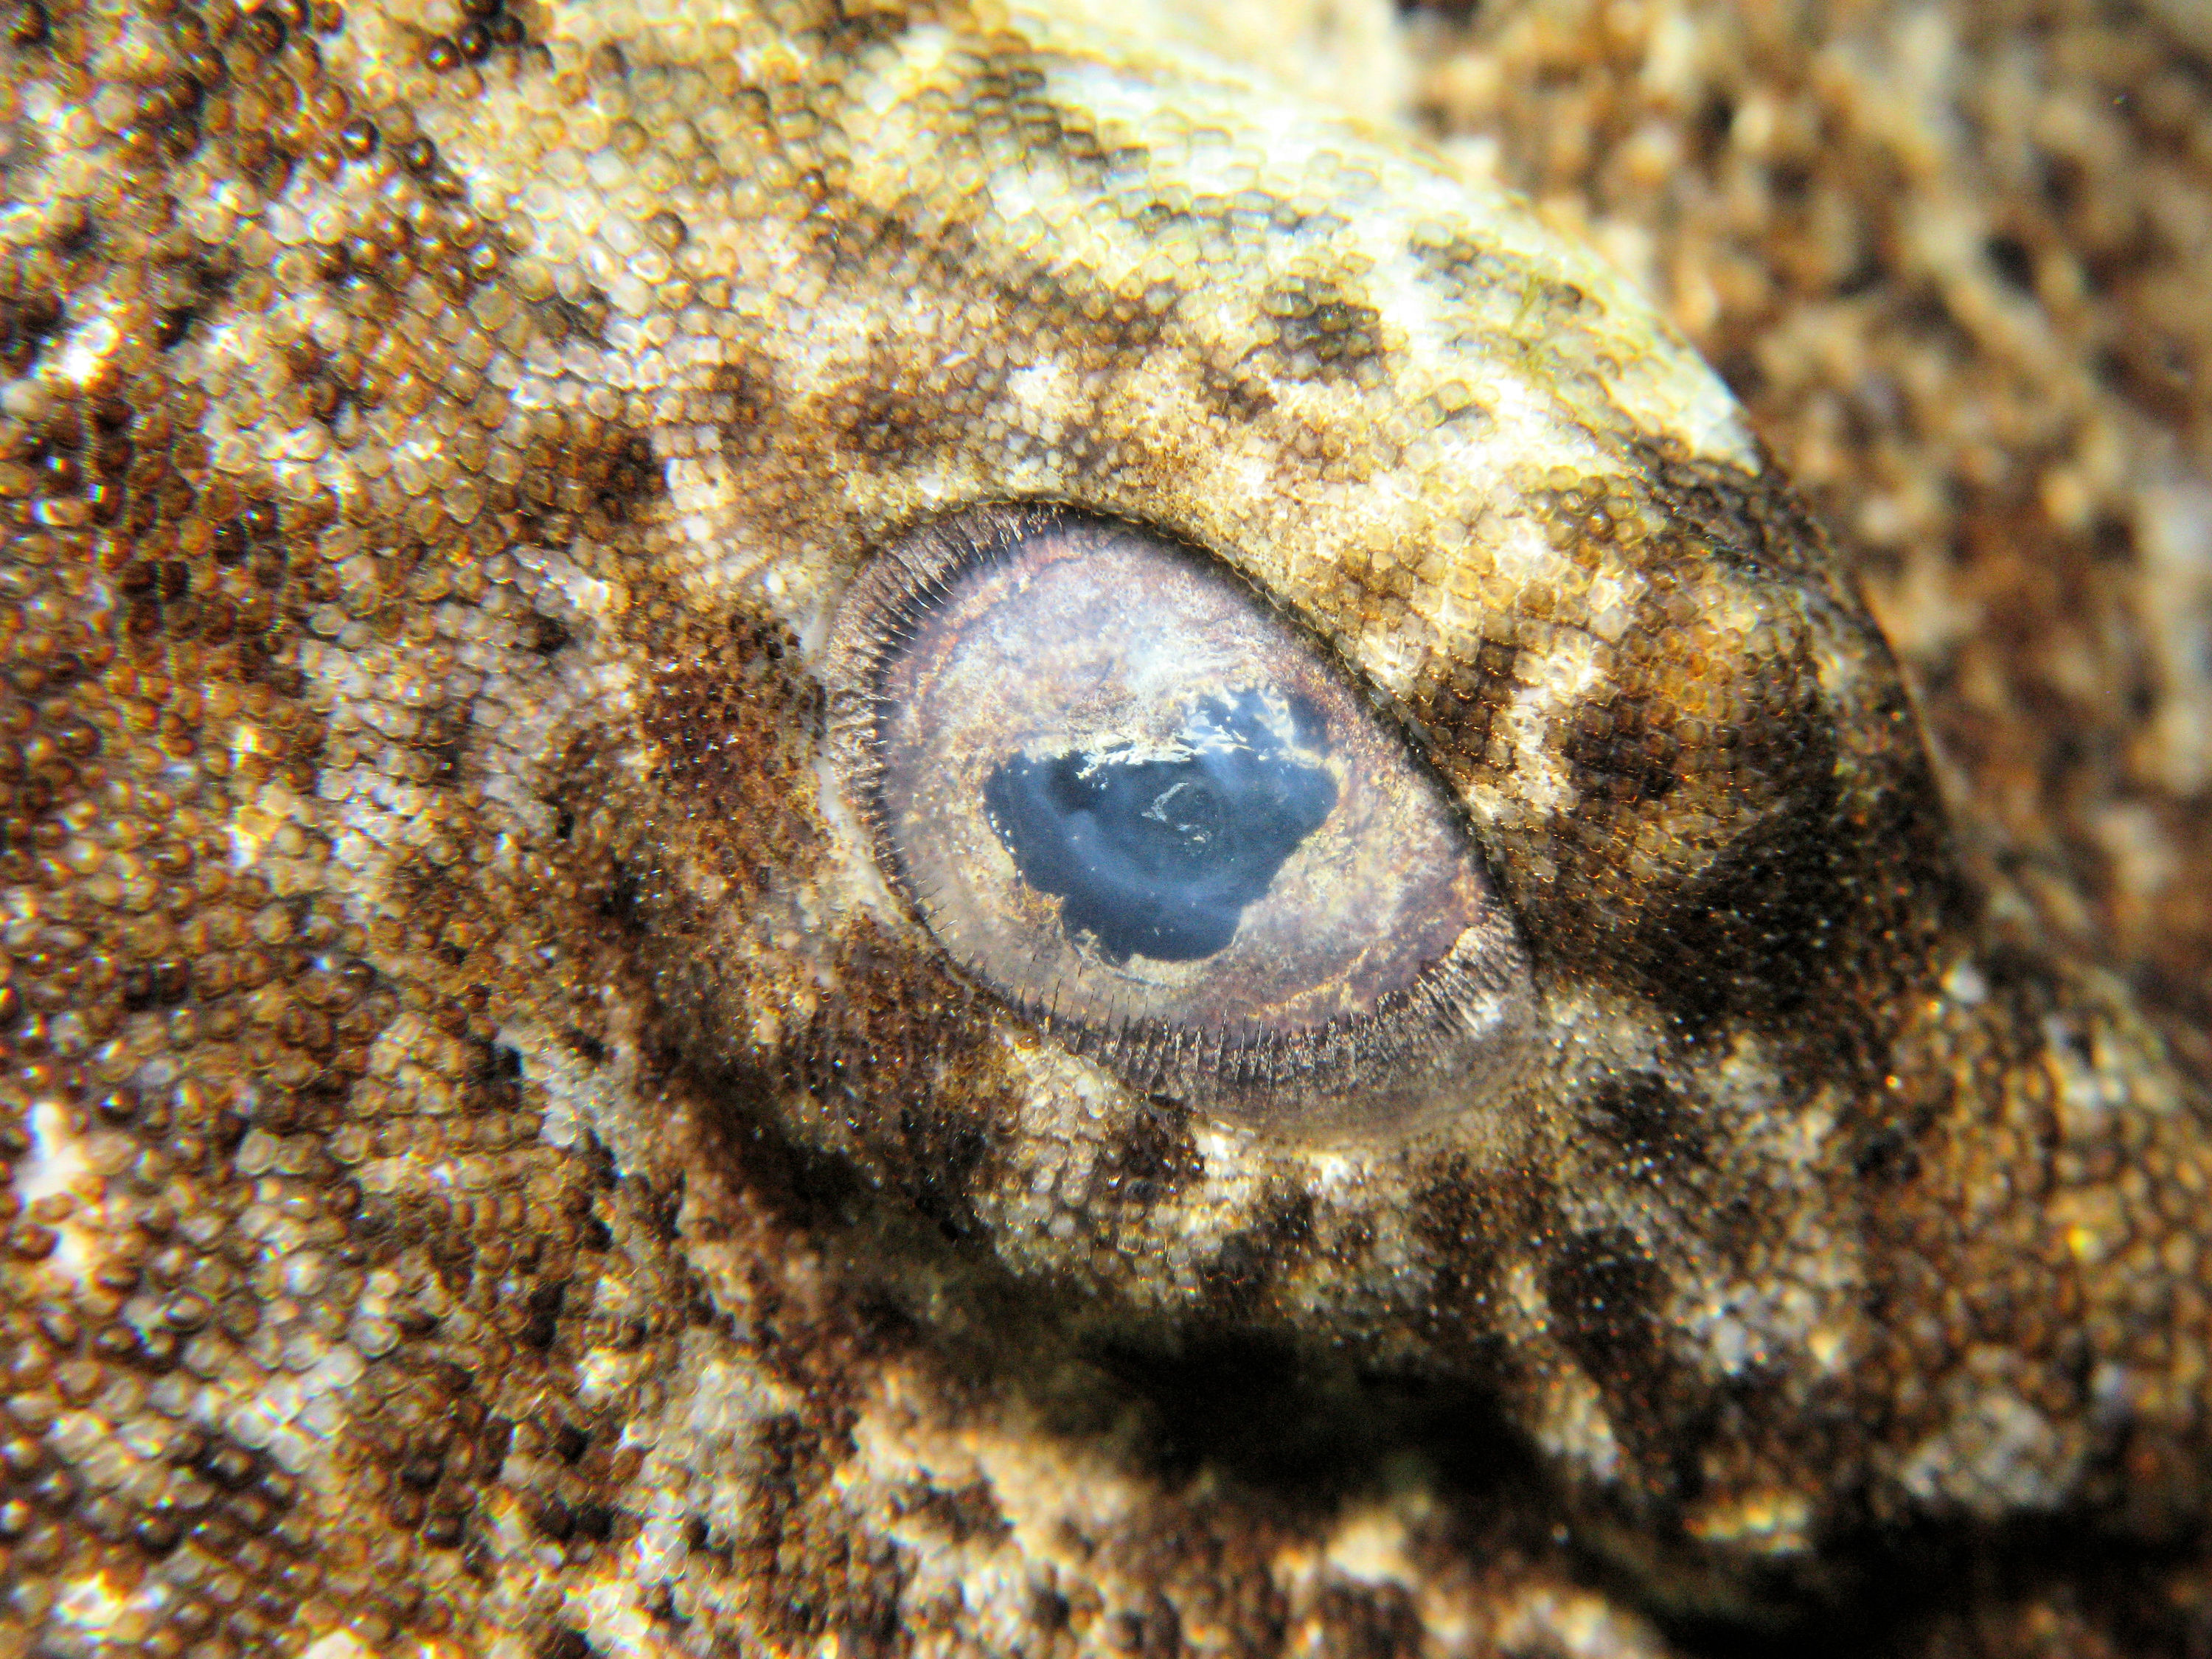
(1159, 857)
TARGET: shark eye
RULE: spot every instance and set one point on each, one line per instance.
(1162, 821)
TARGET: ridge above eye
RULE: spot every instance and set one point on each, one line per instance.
(1166, 825)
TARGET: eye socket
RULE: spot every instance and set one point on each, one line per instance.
(1157, 818)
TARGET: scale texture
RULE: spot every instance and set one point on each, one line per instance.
(495, 1168)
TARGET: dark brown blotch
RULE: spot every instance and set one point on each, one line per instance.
(1717, 749)
(1010, 106)
(742, 397)
(28, 24)
(1367, 1621)
(959, 1512)
(1090, 321)
(1455, 701)
(26, 322)
(1657, 1133)
(583, 318)
(1463, 1214)
(1233, 395)
(819, 1575)
(1606, 1295)
(1750, 521)
(1624, 751)
(944, 1149)
(901, 1056)
(1154, 1157)
(841, 29)
(885, 413)
(1315, 329)
(1471, 275)
(1757, 929)
(734, 723)
(896, 1062)
(1251, 1260)
(581, 476)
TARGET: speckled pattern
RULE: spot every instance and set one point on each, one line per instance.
(1955, 260)
(496, 1167)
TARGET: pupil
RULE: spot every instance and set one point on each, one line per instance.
(1193, 813)
(1158, 857)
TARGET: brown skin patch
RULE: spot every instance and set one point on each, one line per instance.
(582, 476)
(1659, 1135)
(1604, 1291)
(432, 1448)
(1194, 1573)
(1364, 1622)
(241, 1506)
(899, 1061)
(1234, 396)
(1606, 1297)
(1455, 699)
(891, 413)
(741, 400)
(281, 1008)
(733, 725)
(1776, 867)
(1471, 272)
(814, 1572)
(1745, 936)
(900, 1023)
(1249, 1261)
(1750, 521)
(1741, 931)
(1011, 99)
(26, 322)
(960, 1513)
(916, 1031)
(861, 243)
(1461, 1213)
(1321, 332)
(1154, 1157)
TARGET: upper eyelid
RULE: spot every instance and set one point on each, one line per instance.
(1339, 646)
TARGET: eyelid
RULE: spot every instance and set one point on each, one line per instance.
(1337, 958)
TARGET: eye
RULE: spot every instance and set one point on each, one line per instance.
(1157, 816)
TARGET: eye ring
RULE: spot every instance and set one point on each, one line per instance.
(1164, 823)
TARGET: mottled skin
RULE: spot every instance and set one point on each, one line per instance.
(494, 1164)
